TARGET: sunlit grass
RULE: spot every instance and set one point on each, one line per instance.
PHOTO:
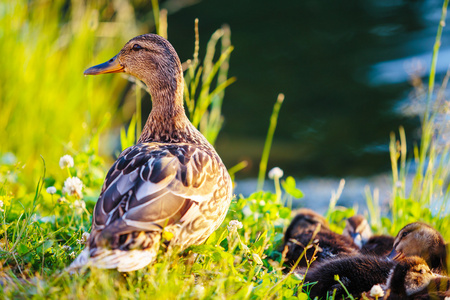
(47, 105)
(48, 108)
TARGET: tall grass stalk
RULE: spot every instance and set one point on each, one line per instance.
(437, 45)
(205, 83)
(428, 195)
(268, 142)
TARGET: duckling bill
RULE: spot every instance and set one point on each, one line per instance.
(359, 230)
(172, 180)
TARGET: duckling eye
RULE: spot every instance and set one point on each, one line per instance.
(137, 47)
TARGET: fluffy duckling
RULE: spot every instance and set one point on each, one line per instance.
(407, 279)
(305, 219)
(438, 288)
(301, 231)
(420, 239)
(171, 181)
(359, 230)
(410, 275)
(357, 273)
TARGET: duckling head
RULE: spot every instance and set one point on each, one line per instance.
(420, 239)
(410, 275)
(150, 58)
(358, 229)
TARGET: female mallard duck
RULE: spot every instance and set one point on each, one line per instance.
(359, 230)
(303, 229)
(421, 240)
(171, 181)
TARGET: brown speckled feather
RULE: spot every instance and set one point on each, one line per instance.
(152, 186)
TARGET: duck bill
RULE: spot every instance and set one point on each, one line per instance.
(357, 239)
(111, 66)
(394, 254)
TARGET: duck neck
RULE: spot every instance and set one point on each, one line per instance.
(167, 121)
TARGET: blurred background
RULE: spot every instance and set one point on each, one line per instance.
(345, 70)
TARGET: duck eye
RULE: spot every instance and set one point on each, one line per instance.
(137, 47)
(404, 234)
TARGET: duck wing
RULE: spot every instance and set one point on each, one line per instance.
(155, 185)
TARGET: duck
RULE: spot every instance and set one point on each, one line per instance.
(306, 227)
(420, 239)
(357, 273)
(304, 219)
(437, 288)
(411, 275)
(171, 184)
(408, 279)
(359, 230)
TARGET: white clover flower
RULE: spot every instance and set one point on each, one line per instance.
(199, 290)
(84, 238)
(276, 173)
(73, 186)
(79, 204)
(66, 247)
(66, 161)
(72, 254)
(61, 200)
(247, 211)
(51, 190)
(376, 291)
(234, 225)
(1, 205)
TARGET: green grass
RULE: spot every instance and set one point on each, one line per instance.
(48, 108)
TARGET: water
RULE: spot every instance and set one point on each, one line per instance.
(342, 66)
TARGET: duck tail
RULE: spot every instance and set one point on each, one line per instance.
(122, 260)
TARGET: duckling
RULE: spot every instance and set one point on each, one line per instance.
(359, 230)
(410, 275)
(357, 273)
(422, 240)
(301, 231)
(407, 279)
(172, 181)
(437, 288)
(305, 219)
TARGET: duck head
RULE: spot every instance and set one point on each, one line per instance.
(420, 239)
(358, 229)
(410, 275)
(150, 58)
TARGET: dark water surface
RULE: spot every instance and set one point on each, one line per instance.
(341, 66)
